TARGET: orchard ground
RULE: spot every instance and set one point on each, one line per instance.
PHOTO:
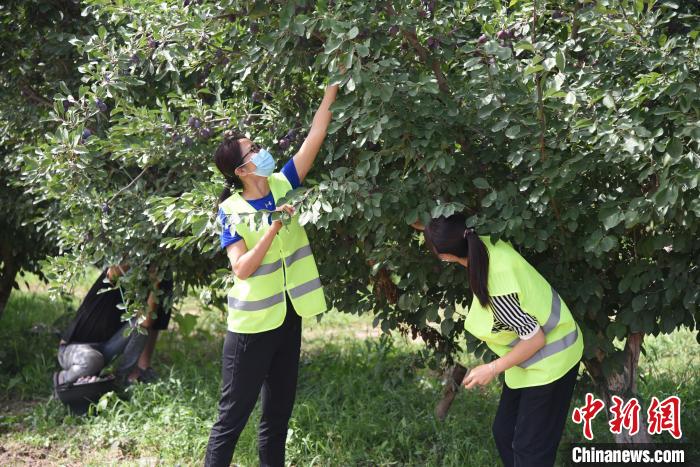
(362, 398)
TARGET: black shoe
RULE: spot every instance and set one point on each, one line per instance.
(148, 375)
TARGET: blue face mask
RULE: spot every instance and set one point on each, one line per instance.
(264, 163)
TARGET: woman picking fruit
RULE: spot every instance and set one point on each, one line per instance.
(525, 322)
(276, 284)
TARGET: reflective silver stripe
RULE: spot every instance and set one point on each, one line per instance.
(553, 319)
(302, 252)
(552, 348)
(267, 268)
(554, 315)
(305, 288)
(255, 305)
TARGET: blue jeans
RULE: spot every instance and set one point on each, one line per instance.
(89, 358)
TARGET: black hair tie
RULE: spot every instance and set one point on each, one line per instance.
(229, 182)
(468, 231)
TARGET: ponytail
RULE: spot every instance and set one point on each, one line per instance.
(225, 193)
(227, 157)
(478, 266)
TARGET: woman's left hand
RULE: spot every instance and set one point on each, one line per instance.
(481, 375)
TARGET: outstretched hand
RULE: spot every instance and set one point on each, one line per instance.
(286, 208)
(481, 375)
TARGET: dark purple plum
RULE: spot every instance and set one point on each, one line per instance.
(194, 122)
(101, 106)
(433, 42)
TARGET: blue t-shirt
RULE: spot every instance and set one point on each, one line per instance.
(267, 202)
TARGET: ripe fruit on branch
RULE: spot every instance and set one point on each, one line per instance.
(194, 122)
(101, 106)
(205, 132)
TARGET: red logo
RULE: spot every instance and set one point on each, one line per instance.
(661, 416)
(587, 413)
(624, 416)
(665, 416)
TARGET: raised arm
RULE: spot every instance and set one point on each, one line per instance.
(304, 159)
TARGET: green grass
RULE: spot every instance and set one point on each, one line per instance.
(361, 399)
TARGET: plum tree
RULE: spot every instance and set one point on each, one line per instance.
(582, 149)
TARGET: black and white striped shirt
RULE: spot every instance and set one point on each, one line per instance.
(508, 316)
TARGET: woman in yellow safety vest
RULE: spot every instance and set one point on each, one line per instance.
(276, 283)
(527, 324)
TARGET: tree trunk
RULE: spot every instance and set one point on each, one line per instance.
(624, 385)
(8, 272)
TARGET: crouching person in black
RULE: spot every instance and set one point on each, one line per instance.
(97, 335)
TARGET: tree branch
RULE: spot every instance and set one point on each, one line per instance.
(538, 82)
(33, 95)
(422, 52)
(129, 185)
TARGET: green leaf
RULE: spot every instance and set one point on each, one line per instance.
(481, 183)
(352, 33)
(332, 44)
(611, 216)
(446, 326)
(532, 69)
(362, 50)
(608, 243)
(513, 131)
(493, 48)
(561, 60)
(609, 102)
(524, 45)
(501, 124)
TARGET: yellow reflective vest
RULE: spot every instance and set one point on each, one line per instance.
(511, 273)
(258, 303)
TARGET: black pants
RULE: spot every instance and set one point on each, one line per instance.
(530, 421)
(267, 360)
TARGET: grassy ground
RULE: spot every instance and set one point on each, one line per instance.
(361, 399)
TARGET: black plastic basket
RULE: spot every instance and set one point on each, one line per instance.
(78, 397)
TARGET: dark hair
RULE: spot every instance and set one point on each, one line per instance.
(228, 157)
(450, 235)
